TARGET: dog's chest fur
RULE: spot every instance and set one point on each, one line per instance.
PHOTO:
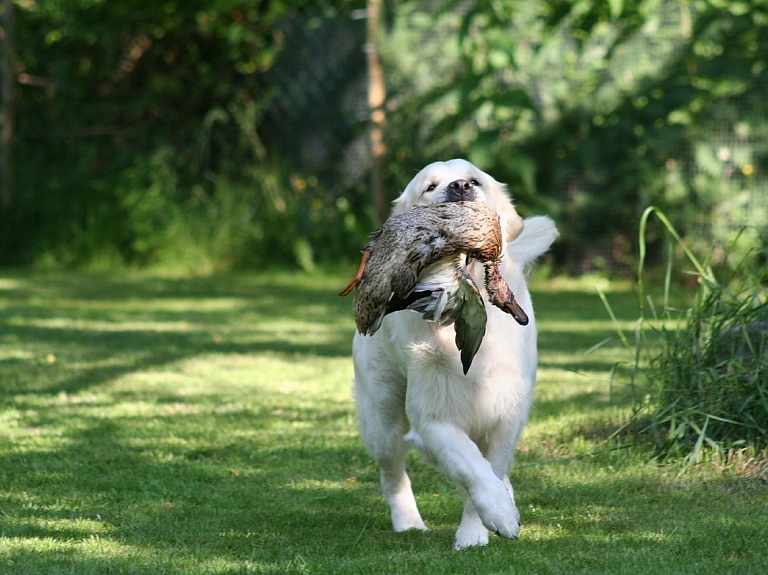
(436, 388)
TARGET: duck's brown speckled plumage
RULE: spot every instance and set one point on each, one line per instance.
(408, 243)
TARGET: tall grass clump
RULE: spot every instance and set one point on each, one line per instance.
(707, 372)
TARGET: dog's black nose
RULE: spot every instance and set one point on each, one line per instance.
(460, 191)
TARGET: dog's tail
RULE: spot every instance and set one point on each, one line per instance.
(536, 238)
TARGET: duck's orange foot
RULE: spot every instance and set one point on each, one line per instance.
(358, 276)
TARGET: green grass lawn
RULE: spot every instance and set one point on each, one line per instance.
(155, 425)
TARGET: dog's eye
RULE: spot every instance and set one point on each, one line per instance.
(474, 182)
(431, 188)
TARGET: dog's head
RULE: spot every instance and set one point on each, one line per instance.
(459, 180)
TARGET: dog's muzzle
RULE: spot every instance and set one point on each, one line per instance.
(460, 191)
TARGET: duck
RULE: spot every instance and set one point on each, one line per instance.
(418, 261)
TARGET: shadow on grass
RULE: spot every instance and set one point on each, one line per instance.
(221, 495)
(102, 328)
(269, 490)
(64, 333)
(264, 508)
(132, 351)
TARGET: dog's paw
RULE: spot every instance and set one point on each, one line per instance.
(505, 524)
(470, 534)
(405, 521)
(409, 525)
(497, 510)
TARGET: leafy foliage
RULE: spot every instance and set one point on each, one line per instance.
(138, 123)
(594, 110)
(203, 133)
(712, 374)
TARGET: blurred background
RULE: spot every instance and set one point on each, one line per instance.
(200, 136)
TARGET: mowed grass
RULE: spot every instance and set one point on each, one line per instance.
(155, 425)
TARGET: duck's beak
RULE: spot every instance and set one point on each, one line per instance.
(516, 311)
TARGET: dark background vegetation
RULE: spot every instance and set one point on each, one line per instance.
(222, 134)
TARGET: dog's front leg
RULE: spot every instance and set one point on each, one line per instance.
(472, 532)
(490, 504)
(499, 451)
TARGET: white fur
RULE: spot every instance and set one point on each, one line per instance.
(410, 390)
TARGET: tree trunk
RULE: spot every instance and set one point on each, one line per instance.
(376, 97)
(9, 83)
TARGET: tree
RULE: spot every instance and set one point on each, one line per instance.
(8, 91)
(376, 99)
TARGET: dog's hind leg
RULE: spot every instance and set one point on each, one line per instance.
(471, 531)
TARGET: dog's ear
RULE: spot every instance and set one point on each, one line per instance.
(408, 198)
(401, 204)
(511, 222)
(511, 225)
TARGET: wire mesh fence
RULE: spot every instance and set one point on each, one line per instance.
(317, 113)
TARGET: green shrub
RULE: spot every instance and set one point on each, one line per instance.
(265, 215)
(710, 376)
(708, 371)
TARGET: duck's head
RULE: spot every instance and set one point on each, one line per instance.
(459, 180)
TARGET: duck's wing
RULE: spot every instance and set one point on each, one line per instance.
(453, 298)
(417, 259)
(470, 320)
(435, 292)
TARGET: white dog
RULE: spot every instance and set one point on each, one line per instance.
(411, 392)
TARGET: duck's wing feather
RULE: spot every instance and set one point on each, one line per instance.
(470, 321)
(457, 302)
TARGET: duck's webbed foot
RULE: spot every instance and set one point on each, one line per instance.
(358, 276)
